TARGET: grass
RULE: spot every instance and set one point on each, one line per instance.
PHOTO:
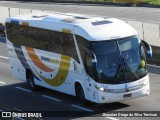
(155, 2)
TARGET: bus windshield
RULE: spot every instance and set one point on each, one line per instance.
(120, 61)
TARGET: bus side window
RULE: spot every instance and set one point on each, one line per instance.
(53, 46)
(69, 46)
(57, 41)
(32, 37)
(43, 39)
(88, 65)
(12, 32)
(22, 37)
(2, 29)
(82, 42)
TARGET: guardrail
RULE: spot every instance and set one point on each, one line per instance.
(149, 32)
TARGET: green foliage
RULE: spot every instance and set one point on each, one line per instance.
(155, 2)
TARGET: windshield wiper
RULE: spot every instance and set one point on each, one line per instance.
(126, 65)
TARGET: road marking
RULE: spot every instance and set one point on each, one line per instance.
(4, 57)
(153, 66)
(23, 89)
(52, 98)
(18, 118)
(82, 108)
(1, 82)
(112, 118)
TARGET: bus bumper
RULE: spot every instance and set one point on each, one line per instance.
(106, 97)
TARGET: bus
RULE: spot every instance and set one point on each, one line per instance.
(2, 29)
(97, 59)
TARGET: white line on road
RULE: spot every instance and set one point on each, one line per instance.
(82, 108)
(17, 118)
(23, 89)
(4, 57)
(153, 66)
(52, 98)
(112, 118)
(3, 83)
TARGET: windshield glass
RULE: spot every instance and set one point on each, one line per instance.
(120, 61)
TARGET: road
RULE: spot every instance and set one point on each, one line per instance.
(16, 94)
(134, 13)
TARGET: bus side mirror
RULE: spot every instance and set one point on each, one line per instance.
(148, 47)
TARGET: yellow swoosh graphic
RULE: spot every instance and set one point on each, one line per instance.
(61, 74)
(37, 61)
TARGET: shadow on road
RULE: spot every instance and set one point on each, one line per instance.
(23, 101)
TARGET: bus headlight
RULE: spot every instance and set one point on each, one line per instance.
(101, 89)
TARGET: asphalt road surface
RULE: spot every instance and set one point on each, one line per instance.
(135, 13)
(16, 94)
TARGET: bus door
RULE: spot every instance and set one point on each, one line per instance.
(90, 66)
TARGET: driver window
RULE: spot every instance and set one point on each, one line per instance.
(89, 66)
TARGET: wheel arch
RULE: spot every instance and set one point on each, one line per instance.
(78, 82)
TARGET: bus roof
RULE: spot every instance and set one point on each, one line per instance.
(92, 28)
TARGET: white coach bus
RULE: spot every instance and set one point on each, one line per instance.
(94, 58)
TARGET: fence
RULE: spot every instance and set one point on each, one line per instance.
(147, 31)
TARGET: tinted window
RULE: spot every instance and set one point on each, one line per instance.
(44, 38)
(32, 37)
(22, 36)
(57, 42)
(82, 42)
(69, 47)
(48, 40)
(12, 32)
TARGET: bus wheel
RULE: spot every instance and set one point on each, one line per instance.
(80, 94)
(30, 81)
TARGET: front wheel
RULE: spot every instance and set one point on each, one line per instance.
(80, 95)
(30, 81)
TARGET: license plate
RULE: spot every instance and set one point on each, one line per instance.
(127, 95)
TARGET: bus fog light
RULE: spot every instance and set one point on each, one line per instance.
(103, 98)
(101, 89)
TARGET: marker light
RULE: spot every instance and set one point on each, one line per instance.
(149, 53)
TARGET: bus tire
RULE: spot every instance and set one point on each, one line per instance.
(30, 81)
(80, 94)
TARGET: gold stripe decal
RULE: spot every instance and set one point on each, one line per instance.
(37, 61)
(61, 74)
